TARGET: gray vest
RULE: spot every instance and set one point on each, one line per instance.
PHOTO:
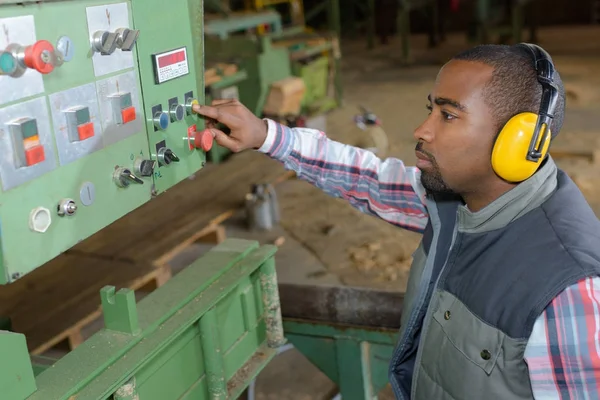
(480, 280)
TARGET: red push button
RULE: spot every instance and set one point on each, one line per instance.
(128, 114)
(203, 140)
(34, 155)
(39, 56)
(85, 131)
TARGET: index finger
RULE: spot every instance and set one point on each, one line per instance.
(216, 113)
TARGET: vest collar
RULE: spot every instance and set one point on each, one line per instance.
(511, 205)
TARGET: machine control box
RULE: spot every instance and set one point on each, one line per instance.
(95, 118)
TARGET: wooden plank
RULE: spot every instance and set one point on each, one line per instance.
(53, 303)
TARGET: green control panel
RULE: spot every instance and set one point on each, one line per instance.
(95, 118)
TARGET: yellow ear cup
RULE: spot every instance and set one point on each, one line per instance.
(510, 149)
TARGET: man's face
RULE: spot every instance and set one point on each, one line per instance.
(455, 141)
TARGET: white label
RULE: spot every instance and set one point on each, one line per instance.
(171, 65)
(19, 30)
(109, 18)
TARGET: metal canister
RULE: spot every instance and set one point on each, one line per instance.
(262, 207)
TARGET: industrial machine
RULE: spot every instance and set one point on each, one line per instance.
(95, 120)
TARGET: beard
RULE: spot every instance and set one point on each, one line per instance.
(432, 179)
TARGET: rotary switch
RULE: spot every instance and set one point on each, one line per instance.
(126, 38)
(143, 167)
(104, 42)
(166, 156)
(123, 177)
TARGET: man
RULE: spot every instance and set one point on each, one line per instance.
(503, 298)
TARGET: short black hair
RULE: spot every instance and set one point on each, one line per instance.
(514, 87)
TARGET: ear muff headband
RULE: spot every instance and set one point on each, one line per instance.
(545, 76)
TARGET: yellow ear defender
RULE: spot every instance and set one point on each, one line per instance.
(523, 142)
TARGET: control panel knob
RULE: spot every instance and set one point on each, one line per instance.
(66, 207)
(189, 104)
(41, 57)
(161, 120)
(65, 47)
(143, 167)
(177, 112)
(166, 156)
(203, 140)
(104, 42)
(8, 63)
(123, 177)
(126, 38)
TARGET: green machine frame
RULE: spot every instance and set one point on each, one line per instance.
(348, 333)
(205, 334)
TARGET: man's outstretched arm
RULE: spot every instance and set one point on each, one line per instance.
(387, 189)
(563, 352)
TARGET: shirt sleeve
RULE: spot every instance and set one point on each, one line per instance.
(387, 189)
(563, 352)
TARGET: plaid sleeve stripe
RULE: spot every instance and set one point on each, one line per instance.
(563, 352)
(387, 189)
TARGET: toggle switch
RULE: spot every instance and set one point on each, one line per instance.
(123, 177)
(66, 207)
(126, 38)
(123, 109)
(104, 42)
(26, 141)
(166, 156)
(143, 167)
(79, 124)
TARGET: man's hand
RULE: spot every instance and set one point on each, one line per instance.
(247, 130)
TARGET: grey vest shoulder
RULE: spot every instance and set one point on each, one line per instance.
(476, 306)
(508, 276)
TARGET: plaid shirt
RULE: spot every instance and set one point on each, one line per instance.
(563, 351)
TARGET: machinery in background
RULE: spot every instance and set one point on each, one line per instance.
(95, 119)
(266, 54)
(258, 64)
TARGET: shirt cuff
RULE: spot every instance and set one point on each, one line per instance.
(271, 136)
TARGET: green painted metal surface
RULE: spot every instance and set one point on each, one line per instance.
(205, 334)
(355, 358)
(31, 195)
